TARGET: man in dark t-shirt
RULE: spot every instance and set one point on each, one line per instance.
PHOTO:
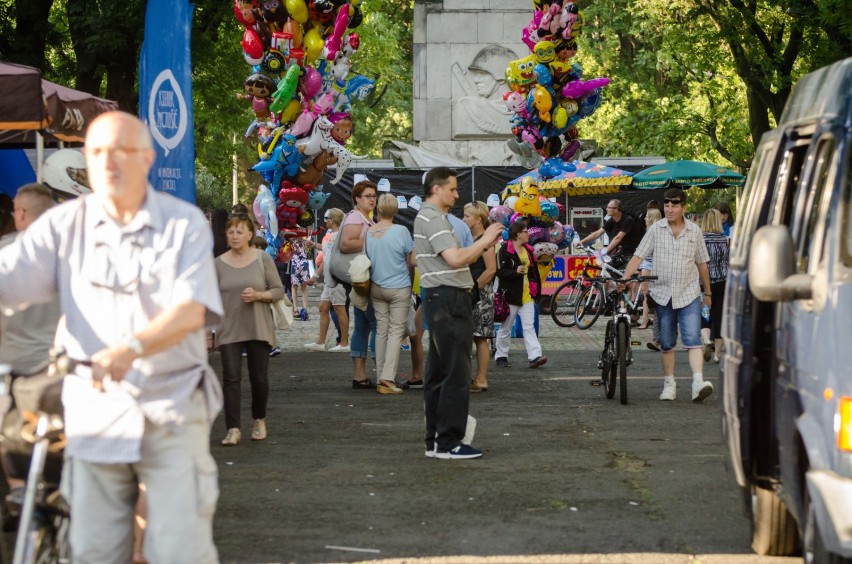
(624, 235)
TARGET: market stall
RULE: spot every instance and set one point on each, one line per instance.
(36, 113)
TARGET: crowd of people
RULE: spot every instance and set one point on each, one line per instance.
(139, 418)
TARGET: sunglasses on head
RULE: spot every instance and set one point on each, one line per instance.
(673, 202)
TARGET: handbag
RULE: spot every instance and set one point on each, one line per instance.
(359, 270)
(501, 306)
(410, 325)
(282, 310)
(339, 262)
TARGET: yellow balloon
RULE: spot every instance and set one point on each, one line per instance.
(560, 117)
(313, 44)
(291, 111)
(297, 10)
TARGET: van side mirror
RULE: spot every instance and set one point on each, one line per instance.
(772, 267)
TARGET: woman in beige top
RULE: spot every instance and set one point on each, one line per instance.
(247, 287)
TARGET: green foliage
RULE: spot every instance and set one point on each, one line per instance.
(210, 192)
(385, 54)
(698, 80)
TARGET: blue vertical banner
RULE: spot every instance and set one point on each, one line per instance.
(165, 95)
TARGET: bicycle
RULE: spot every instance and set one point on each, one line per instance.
(617, 354)
(595, 298)
(563, 302)
(45, 519)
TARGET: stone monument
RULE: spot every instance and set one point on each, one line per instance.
(461, 50)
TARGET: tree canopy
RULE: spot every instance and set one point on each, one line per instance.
(691, 79)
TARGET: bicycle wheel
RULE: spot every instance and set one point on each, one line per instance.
(589, 306)
(564, 302)
(621, 347)
(609, 365)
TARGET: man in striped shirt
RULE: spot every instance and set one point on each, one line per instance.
(680, 260)
(447, 283)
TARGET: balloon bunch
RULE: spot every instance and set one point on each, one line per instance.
(547, 93)
(301, 90)
(547, 234)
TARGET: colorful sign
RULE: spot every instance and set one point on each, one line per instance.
(565, 268)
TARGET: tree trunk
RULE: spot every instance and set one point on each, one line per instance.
(32, 29)
(89, 76)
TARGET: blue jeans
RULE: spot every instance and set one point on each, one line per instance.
(687, 319)
(365, 328)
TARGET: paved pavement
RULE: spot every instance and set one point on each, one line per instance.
(551, 336)
(568, 476)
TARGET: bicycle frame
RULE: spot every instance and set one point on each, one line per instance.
(617, 353)
(44, 519)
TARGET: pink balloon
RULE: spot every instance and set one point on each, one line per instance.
(311, 82)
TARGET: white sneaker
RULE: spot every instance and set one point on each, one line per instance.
(258, 430)
(716, 358)
(669, 390)
(339, 349)
(701, 390)
(232, 438)
(315, 347)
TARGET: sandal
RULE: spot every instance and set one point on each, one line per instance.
(649, 324)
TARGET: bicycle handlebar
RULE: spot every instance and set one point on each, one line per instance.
(637, 278)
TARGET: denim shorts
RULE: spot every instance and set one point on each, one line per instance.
(687, 319)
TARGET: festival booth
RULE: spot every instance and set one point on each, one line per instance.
(36, 113)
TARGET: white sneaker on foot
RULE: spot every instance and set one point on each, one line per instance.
(232, 438)
(701, 390)
(707, 351)
(669, 390)
(258, 430)
(315, 347)
(339, 349)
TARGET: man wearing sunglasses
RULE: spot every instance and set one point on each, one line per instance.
(134, 272)
(623, 232)
(680, 261)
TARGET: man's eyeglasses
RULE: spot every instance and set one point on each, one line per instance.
(371, 196)
(118, 153)
(673, 202)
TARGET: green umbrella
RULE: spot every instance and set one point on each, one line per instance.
(683, 174)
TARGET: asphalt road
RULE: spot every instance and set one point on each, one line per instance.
(567, 476)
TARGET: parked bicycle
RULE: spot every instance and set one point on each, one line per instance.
(563, 302)
(44, 516)
(617, 354)
(594, 300)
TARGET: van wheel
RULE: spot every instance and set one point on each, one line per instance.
(813, 549)
(773, 528)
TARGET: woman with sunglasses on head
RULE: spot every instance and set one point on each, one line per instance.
(247, 287)
(353, 231)
(519, 279)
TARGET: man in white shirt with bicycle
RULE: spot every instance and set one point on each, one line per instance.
(136, 281)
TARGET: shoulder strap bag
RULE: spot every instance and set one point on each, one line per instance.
(282, 310)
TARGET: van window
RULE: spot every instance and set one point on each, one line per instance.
(807, 209)
(789, 174)
(846, 211)
(751, 200)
